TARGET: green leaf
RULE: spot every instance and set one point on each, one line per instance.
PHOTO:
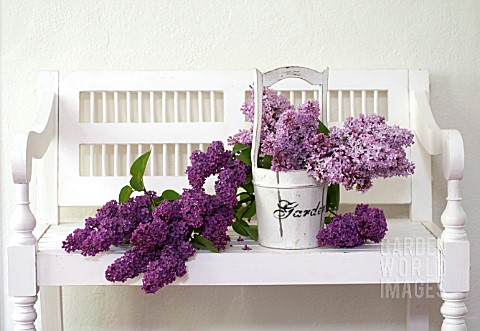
(158, 200)
(125, 193)
(137, 183)
(171, 195)
(138, 167)
(252, 232)
(239, 228)
(266, 162)
(248, 187)
(243, 195)
(202, 242)
(250, 212)
(240, 147)
(244, 157)
(249, 179)
(322, 128)
(333, 197)
(328, 219)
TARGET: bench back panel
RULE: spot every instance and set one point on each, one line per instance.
(107, 119)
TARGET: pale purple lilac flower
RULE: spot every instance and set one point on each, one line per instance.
(364, 149)
(294, 129)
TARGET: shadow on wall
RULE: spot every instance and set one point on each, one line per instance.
(238, 308)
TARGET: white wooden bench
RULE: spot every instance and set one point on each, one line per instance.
(92, 125)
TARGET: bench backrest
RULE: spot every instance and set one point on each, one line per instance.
(107, 119)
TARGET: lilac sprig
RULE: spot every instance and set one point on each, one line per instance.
(364, 149)
(163, 230)
(353, 229)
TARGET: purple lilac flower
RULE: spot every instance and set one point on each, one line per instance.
(353, 229)
(166, 269)
(243, 137)
(371, 223)
(112, 224)
(130, 265)
(206, 164)
(273, 105)
(364, 149)
(216, 226)
(340, 232)
(240, 238)
(294, 129)
(246, 248)
(229, 179)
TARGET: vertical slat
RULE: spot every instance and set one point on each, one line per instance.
(328, 107)
(115, 160)
(115, 147)
(92, 107)
(115, 106)
(129, 153)
(164, 159)
(200, 106)
(129, 115)
(315, 95)
(92, 163)
(152, 160)
(212, 106)
(375, 102)
(352, 103)
(175, 107)
(92, 120)
(104, 147)
(104, 160)
(201, 147)
(152, 107)
(164, 106)
(139, 108)
(292, 97)
(364, 102)
(104, 107)
(189, 110)
(340, 106)
(304, 96)
(189, 152)
(177, 159)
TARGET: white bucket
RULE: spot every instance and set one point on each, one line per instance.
(290, 205)
(290, 208)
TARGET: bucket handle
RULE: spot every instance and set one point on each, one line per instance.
(269, 78)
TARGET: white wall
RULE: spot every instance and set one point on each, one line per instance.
(441, 36)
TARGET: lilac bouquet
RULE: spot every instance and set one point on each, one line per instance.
(365, 148)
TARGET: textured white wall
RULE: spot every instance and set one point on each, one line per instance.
(441, 36)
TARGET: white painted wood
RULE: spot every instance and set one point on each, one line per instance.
(340, 106)
(51, 308)
(421, 206)
(48, 164)
(454, 311)
(24, 314)
(364, 102)
(373, 263)
(417, 307)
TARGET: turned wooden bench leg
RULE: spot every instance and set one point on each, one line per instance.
(454, 311)
(24, 314)
(21, 257)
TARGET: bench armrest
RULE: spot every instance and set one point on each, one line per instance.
(435, 141)
(34, 144)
